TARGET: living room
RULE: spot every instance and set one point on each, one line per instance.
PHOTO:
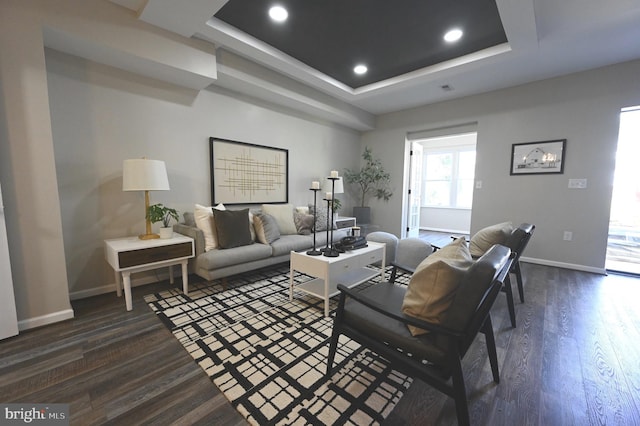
(69, 121)
(101, 115)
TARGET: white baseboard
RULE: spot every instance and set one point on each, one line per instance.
(600, 271)
(45, 319)
(111, 288)
(449, 231)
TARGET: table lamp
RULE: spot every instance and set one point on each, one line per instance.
(142, 174)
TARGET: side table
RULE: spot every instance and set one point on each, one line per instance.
(345, 222)
(131, 254)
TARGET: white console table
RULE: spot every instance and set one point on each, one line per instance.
(131, 254)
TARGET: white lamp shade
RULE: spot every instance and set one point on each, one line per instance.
(142, 174)
(338, 186)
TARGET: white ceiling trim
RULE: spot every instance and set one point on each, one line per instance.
(546, 38)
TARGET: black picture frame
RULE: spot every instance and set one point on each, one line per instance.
(542, 157)
(246, 173)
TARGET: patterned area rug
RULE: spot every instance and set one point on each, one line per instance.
(268, 354)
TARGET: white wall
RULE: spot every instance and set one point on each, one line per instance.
(445, 219)
(583, 108)
(101, 116)
(27, 170)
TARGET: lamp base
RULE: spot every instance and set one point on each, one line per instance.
(314, 252)
(148, 236)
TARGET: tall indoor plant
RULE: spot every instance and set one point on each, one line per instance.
(371, 181)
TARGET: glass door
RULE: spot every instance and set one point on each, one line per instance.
(623, 246)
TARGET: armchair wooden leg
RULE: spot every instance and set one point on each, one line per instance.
(394, 271)
(335, 334)
(487, 330)
(518, 273)
(509, 292)
(333, 346)
(460, 394)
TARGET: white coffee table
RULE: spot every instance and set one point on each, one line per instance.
(349, 269)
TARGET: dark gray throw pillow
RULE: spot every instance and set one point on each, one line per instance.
(232, 227)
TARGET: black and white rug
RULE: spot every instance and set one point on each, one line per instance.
(268, 354)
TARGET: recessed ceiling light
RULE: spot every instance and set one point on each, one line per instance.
(278, 13)
(453, 35)
(360, 69)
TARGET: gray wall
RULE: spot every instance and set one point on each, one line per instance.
(583, 108)
(102, 115)
(66, 124)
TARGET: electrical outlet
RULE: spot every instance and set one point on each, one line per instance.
(478, 184)
(568, 236)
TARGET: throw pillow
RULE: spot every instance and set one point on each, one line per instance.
(283, 213)
(267, 230)
(189, 219)
(252, 228)
(232, 228)
(203, 217)
(321, 219)
(434, 283)
(485, 238)
(304, 222)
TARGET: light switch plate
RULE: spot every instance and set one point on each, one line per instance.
(577, 183)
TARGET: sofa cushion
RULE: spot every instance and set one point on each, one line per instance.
(216, 259)
(203, 217)
(487, 237)
(434, 283)
(232, 227)
(304, 222)
(287, 243)
(267, 230)
(283, 213)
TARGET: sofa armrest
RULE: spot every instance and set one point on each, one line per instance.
(193, 232)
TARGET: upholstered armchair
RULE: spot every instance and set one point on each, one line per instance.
(410, 252)
(428, 349)
(516, 239)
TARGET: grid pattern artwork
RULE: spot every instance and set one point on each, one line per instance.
(243, 173)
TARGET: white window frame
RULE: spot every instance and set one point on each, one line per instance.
(455, 175)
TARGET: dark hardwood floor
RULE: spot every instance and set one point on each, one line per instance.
(574, 359)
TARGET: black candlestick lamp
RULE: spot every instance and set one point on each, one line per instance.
(314, 252)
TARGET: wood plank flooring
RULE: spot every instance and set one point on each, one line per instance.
(574, 359)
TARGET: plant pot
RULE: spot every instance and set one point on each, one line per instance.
(362, 215)
(166, 232)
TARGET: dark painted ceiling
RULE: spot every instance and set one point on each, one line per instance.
(391, 37)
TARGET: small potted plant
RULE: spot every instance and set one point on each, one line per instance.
(335, 206)
(160, 213)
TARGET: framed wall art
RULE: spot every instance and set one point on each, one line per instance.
(533, 158)
(244, 173)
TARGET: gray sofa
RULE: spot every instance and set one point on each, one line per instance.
(220, 263)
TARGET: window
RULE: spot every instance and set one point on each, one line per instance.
(448, 176)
